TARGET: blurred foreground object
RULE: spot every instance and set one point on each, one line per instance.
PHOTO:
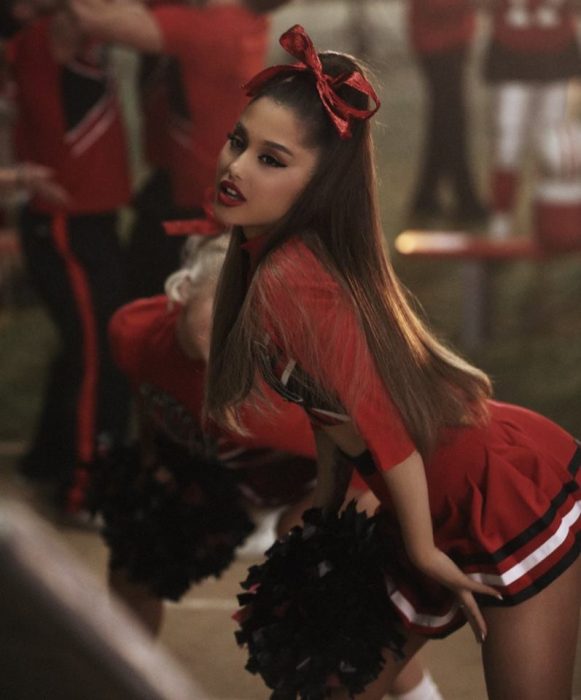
(62, 633)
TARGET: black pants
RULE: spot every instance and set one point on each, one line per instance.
(152, 255)
(76, 266)
(445, 158)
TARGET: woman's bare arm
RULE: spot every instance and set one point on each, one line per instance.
(333, 474)
(126, 22)
(408, 489)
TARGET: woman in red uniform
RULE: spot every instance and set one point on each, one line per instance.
(206, 50)
(532, 55)
(481, 498)
(69, 120)
(441, 34)
(161, 345)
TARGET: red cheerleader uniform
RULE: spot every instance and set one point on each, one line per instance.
(191, 98)
(69, 119)
(532, 53)
(218, 49)
(504, 497)
(276, 458)
(440, 35)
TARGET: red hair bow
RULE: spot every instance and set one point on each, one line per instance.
(298, 43)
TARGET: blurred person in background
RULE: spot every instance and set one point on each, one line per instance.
(68, 120)
(441, 33)
(197, 53)
(531, 56)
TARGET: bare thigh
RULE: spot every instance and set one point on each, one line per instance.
(529, 653)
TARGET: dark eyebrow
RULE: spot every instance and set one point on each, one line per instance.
(279, 147)
(240, 128)
(270, 144)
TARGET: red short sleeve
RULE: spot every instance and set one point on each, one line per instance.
(308, 308)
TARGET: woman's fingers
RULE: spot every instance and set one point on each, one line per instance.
(472, 613)
(477, 587)
(470, 607)
(443, 569)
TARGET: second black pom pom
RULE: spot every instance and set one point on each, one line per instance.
(316, 613)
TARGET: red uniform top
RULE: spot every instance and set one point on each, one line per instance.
(69, 119)
(505, 497)
(317, 314)
(533, 26)
(440, 25)
(218, 49)
(171, 385)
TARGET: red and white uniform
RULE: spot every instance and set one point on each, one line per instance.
(170, 388)
(69, 119)
(217, 49)
(505, 498)
(532, 53)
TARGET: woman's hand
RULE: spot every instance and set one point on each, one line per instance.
(441, 568)
(409, 491)
(39, 180)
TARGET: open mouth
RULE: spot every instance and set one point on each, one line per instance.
(229, 194)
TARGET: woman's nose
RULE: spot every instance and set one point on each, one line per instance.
(237, 166)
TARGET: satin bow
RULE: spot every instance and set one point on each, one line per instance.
(298, 43)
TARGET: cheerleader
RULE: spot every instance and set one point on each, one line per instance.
(480, 499)
(196, 54)
(441, 34)
(531, 56)
(69, 121)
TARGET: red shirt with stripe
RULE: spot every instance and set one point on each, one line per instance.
(218, 49)
(69, 119)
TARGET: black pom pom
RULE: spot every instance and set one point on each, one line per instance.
(170, 525)
(317, 613)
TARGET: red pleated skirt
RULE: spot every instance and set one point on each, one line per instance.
(506, 507)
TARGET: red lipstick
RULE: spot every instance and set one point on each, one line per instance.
(229, 195)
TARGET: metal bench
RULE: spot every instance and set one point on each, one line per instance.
(477, 257)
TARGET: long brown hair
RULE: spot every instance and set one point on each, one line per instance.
(337, 217)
